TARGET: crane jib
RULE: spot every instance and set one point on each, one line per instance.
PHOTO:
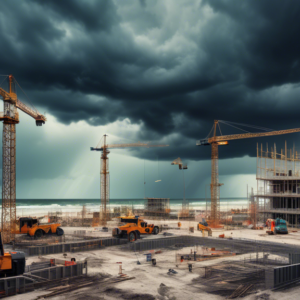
(224, 138)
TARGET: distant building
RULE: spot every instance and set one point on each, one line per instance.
(278, 184)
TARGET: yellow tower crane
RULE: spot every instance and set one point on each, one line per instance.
(104, 172)
(10, 118)
(216, 141)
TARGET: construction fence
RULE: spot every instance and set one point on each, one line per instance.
(235, 245)
(71, 247)
(280, 276)
(21, 284)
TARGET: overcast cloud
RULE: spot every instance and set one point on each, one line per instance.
(158, 71)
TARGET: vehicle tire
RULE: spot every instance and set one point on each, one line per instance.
(138, 235)
(38, 234)
(155, 230)
(132, 236)
(59, 231)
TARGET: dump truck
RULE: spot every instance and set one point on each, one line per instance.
(133, 228)
(203, 226)
(12, 263)
(277, 226)
(33, 228)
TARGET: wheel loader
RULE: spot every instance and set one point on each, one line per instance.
(11, 263)
(203, 226)
(133, 228)
(33, 228)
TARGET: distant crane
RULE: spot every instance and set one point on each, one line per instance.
(185, 203)
(10, 118)
(104, 171)
(216, 141)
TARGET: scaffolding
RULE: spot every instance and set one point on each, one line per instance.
(278, 184)
(157, 207)
(253, 209)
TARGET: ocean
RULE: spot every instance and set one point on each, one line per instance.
(40, 207)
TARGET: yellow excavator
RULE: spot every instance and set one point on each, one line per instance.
(203, 226)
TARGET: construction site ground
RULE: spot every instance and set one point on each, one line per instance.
(154, 282)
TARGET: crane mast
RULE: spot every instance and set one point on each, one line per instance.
(216, 141)
(104, 182)
(104, 173)
(10, 118)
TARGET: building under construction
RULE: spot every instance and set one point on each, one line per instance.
(157, 207)
(278, 184)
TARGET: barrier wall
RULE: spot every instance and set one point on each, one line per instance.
(71, 247)
(235, 245)
(59, 272)
(280, 276)
(21, 284)
(15, 285)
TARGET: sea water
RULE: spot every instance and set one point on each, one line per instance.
(40, 207)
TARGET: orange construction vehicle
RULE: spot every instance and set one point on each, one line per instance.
(133, 228)
(203, 226)
(11, 263)
(33, 228)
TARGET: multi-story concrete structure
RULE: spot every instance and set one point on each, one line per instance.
(278, 184)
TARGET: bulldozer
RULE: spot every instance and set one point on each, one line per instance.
(203, 226)
(133, 228)
(11, 263)
(32, 227)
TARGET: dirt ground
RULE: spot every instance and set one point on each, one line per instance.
(154, 282)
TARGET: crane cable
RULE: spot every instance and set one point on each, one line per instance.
(236, 127)
(99, 144)
(247, 125)
(27, 97)
(210, 132)
(3, 79)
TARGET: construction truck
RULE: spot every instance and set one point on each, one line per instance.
(133, 228)
(203, 226)
(33, 228)
(11, 263)
(277, 226)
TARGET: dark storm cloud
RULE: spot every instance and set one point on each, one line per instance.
(172, 67)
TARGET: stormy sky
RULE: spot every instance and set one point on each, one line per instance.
(148, 70)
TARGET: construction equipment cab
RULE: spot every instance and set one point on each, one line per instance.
(11, 263)
(33, 228)
(277, 226)
(133, 228)
(203, 226)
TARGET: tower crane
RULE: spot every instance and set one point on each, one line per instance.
(216, 141)
(104, 171)
(10, 118)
